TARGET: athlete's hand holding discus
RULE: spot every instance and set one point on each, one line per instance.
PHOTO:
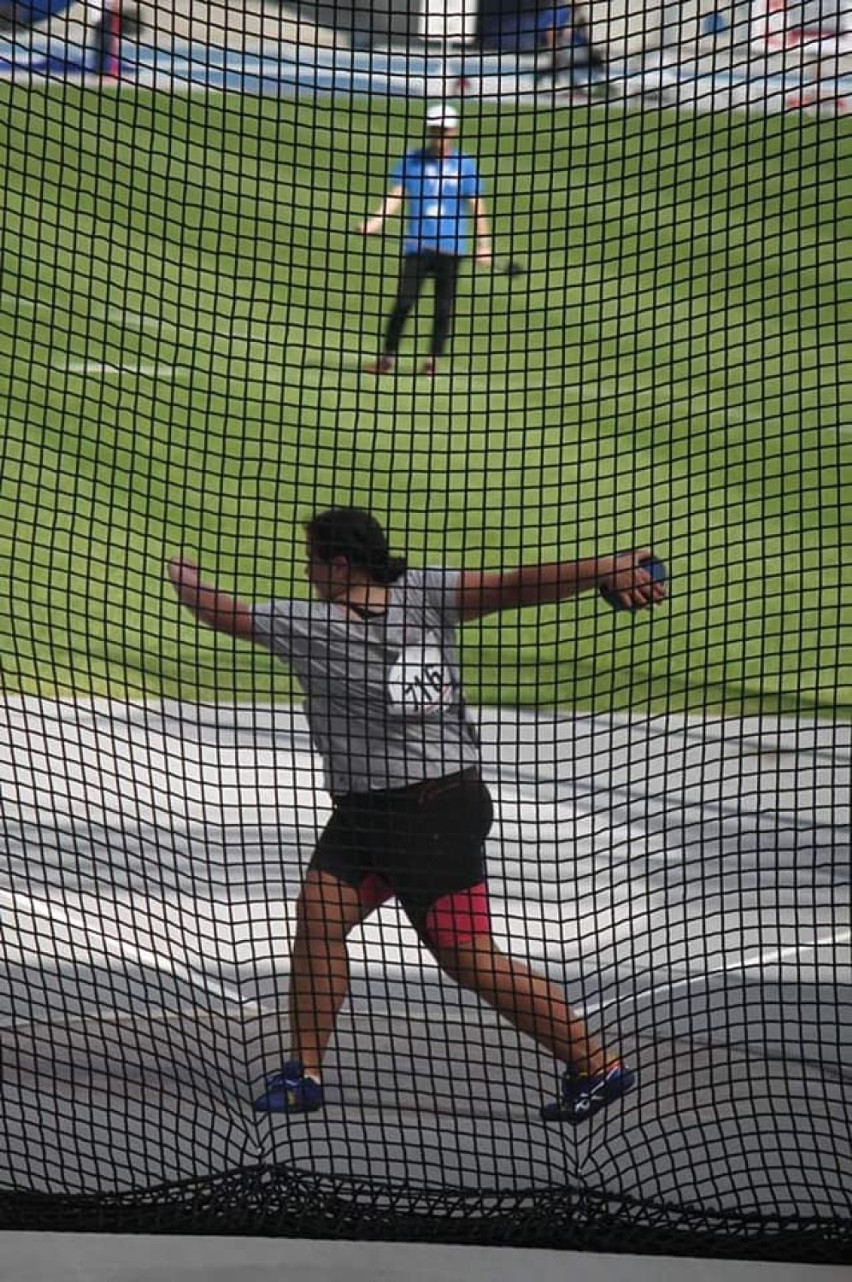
(635, 581)
(624, 576)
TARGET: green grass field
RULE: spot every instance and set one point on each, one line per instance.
(670, 371)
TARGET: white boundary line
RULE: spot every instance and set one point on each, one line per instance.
(108, 370)
(137, 320)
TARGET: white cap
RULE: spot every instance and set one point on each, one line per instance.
(442, 116)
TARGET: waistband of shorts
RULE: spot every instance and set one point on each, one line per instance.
(471, 775)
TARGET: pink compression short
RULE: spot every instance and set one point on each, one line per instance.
(454, 919)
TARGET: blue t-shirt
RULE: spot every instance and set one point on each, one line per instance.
(438, 192)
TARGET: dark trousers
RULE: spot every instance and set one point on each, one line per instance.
(415, 269)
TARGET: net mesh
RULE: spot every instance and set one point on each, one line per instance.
(652, 359)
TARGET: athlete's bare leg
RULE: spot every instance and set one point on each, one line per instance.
(328, 909)
(529, 1001)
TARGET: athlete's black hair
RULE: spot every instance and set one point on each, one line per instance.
(355, 534)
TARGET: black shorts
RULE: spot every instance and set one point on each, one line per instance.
(424, 844)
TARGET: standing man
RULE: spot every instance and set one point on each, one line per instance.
(444, 195)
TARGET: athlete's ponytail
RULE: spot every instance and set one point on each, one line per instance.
(356, 535)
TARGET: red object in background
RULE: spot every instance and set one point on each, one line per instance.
(112, 23)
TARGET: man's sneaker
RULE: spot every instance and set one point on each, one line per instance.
(384, 365)
(290, 1092)
(582, 1097)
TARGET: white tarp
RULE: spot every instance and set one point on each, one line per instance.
(688, 881)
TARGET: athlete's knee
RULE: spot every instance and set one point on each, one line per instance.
(471, 963)
(328, 908)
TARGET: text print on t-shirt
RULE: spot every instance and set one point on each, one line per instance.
(420, 680)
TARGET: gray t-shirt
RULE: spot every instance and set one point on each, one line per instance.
(383, 694)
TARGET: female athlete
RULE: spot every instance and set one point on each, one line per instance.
(375, 655)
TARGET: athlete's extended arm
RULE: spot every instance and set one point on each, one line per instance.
(208, 604)
(391, 204)
(484, 591)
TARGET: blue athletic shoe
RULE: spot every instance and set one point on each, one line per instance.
(290, 1092)
(582, 1097)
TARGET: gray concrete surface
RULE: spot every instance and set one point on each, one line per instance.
(53, 1257)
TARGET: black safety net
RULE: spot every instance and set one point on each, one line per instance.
(553, 308)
